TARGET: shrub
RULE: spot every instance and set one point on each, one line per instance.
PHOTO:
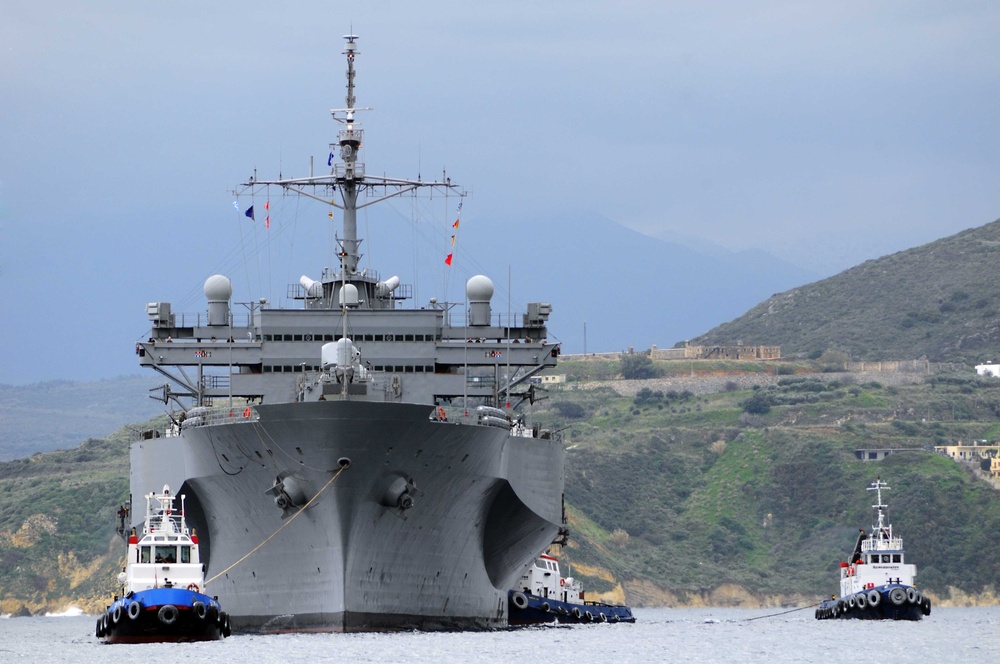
(758, 404)
(570, 409)
(618, 538)
(636, 366)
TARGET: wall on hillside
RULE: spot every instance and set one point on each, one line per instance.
(722, 383)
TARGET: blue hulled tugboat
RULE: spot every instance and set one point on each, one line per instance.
(544, 596)
(877, 583)
(160, 596)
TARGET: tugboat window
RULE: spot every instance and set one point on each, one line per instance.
(144, 554)
(896, 558)
(885, 557)
(185, 554)
(166, 554)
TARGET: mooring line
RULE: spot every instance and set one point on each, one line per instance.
(285, 525)
(772, 615)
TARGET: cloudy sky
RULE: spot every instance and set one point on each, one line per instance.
(823, 133)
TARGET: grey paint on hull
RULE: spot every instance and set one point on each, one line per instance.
(485, 504)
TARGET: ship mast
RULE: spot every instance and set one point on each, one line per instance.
(349, 141)
(347, 178)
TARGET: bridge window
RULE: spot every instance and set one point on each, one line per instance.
(185, 554)
(144, 554)
(897, 558)
(166, 554)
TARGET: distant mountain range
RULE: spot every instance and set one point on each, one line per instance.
(939, 301)
(59, 415)
(628, 289)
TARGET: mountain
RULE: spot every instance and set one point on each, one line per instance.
(627, 288)
(685, 496)
(55, 415)
(939, 300)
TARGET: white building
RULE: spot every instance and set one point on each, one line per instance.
(988, 369)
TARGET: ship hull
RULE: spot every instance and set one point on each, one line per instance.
(163, 615)
(484, 504)
(889, 602)
(529, 609)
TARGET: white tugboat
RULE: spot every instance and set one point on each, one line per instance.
(161, 595)
(877, 583)
(544, 596)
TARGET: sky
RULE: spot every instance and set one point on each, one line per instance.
(826, 134)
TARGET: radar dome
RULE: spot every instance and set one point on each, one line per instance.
(479, 288)
(218, 288)
(349, 296)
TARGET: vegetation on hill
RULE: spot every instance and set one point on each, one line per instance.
(938, 300)
(58, 545)
(686, 494)
(673, 495)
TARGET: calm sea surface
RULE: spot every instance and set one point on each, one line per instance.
(949, 636)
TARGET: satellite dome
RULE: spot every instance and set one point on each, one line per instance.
(218, 288)
(349, 296)
(479, 288)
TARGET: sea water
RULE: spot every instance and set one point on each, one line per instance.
(948, 635)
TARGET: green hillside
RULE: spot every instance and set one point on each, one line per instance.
(673, 497)
(681, 495)
(57, 527)
(938, 300)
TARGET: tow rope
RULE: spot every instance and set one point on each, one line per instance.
(285, 525)
(772, 615)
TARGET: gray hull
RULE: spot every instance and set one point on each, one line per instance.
(485, 503)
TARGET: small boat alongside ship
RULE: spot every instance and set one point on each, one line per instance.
(160, 595)
(877, 583)
(543, 595)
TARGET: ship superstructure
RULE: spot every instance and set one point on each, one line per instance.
(379, 450)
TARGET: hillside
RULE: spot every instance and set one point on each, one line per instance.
(57, 527)
(674, 495)
(938, 300)
(689, 498)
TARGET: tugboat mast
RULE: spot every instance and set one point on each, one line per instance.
(880, 508)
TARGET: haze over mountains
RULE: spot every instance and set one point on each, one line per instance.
(631, 290)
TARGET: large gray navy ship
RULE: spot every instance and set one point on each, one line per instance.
(351, 463)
